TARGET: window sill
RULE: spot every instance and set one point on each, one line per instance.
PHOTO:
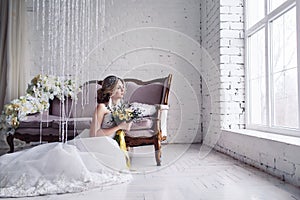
(292, 140)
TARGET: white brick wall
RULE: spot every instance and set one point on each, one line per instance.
(232, 59)
(210, 41)
(277, 158)
(223, 39)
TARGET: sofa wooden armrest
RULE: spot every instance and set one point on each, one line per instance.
(162, 110)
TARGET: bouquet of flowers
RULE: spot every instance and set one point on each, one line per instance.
(126, 113)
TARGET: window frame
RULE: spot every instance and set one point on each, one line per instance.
(265, 23)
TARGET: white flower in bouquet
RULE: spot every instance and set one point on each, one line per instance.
(125, 113)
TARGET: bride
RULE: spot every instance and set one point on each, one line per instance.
(92, 159)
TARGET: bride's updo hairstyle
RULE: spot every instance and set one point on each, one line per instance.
(109, 84)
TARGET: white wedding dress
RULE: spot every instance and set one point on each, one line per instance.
(53, 168)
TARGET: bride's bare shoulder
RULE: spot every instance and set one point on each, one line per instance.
(101, 107)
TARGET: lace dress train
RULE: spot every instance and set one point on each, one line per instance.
(54, 168)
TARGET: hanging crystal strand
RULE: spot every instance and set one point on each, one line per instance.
(88, 21)
(68, 55)
(96, 16)
(87, 44)
(50, 36)
(63, 64)
(49, 31)
(76, 41)
(58, 57)
(76, 46)
(52, 32)
(92, 34)
(102, 25)
(103, 20)
(97, 10)
(81, 24)
(43, 36)
(75, 15)
(100, 20)
(37, 14)
(99, 14)
(61, 128)
(83, 41)
(74, 68)
(81, 36)
(69, 44)
(49, 43)
(33, 13)
(72, 35)
(43, 62)
(55, 27)
(66, 58)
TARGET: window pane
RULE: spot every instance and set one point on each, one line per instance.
(273, 4)
(256, 77)
(256, 59)
(258, 107)
(286, 98)
(255, 11)
(284, 41)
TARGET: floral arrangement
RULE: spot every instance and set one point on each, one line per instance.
(48, 86)
(126, 113)
(41, 89)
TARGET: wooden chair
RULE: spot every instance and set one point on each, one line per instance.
(152, 129)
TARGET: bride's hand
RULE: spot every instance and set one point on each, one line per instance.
(125, 126)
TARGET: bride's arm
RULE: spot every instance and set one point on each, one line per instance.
(96, 129)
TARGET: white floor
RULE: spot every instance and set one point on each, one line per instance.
(188, 174)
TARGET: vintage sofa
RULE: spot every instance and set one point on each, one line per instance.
(55, 125)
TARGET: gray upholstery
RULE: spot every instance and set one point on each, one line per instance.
(141, 133)
(146, 93)
(145, 123)
(56, 107)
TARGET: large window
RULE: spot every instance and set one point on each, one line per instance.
(272, 55)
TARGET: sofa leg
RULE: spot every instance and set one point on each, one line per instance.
(10, 142)
(157, 147)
